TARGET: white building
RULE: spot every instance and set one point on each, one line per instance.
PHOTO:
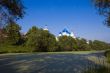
(65, 32)
(45, 28)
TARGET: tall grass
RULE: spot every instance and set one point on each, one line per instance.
(107, 54)
(100, 67)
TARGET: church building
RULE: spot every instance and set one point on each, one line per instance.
(45, 28)
(65, 32)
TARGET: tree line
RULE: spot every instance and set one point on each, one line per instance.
(39, 40)
(11, 40)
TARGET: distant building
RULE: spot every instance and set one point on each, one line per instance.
(65, 32)
(45, 28)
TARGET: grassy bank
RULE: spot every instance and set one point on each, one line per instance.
(72, 52)
(24, 49)
(27, 52)
(15, 49)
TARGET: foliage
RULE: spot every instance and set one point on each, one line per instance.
(40, 40)
(82, 44)
(4, 48)
(13, 33)
(2, 36)
(99, 45)
(10, 10)
(104, 9)
(67, 43)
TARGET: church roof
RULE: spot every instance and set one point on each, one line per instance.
(65, 30)
(45, 28)
(60, 33)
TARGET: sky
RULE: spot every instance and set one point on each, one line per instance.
(78, 16)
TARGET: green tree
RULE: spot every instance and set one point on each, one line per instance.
(82, 44)
(3, 36)
(67, 43)
(41, 40)
(49, 41)
(32, 37)
(103, 7)
(13, 33)
(10, 11)
(99, 45)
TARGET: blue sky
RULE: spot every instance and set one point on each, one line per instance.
(79, 16)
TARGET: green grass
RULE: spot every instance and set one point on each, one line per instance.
(15, 49)
(72, 52)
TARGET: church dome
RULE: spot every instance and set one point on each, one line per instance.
(65, 30)
(45, 28)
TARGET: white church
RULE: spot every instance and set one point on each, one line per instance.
(64, 32)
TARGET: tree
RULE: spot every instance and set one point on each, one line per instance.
(99, 45)
(66, 43)
(49, 41)
(41, 40)
(13, 33)
(10, 11)
(103, 7)
(3, 36)
(82, 44)
(32, 37)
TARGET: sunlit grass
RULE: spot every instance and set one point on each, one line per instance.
(14, 49)
(101, 66)
(72, 52)
(107, 54)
